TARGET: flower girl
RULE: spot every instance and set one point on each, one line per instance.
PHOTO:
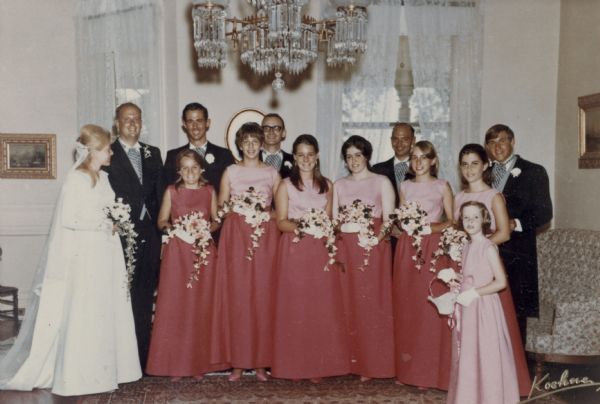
(483, 368)
(422, 336)
(247, 254)
(180, 343)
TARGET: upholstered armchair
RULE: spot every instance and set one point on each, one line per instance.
(568, 328)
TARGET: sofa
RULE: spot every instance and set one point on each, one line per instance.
(568, 327)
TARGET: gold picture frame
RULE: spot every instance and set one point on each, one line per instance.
(236, 121)
(589, 131)
(28, 156)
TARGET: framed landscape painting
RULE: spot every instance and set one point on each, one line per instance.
(28, 156)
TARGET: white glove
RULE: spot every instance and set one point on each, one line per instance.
(466, 298)
(446, 275)
(350, 228)
(444, 303)
(183, 235)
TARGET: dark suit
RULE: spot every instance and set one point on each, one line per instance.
(387, 168)
(214, 171)
(527, 199)
(126, 185)
(287, 163)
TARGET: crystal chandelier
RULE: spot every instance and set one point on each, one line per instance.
(279, 38)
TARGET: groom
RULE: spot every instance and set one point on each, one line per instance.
(135, 174)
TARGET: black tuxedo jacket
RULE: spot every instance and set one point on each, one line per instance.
(387, 168)
(527, 194)
(125, 183)
(286, 169)
(221, 159)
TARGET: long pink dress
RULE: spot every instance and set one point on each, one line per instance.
(180, 343)
(368, 291)
(310, 330)
(245, 304)
(423, 337)
(483, 368)
(508, 306)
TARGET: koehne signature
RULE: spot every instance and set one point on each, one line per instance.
(546, 387)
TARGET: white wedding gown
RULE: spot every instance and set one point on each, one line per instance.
(83, 338)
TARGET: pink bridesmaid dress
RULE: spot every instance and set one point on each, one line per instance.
(506, 299)
(423, 337)
(367, 292)
(310, 339)
(483, 368)
(180, 343)
(244, 306)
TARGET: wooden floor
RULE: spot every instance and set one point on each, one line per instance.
(339, 390)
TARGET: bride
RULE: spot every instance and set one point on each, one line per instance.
(78, 334)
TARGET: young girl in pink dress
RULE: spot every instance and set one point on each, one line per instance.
(367, 288)
(310, 338)
(246, 286)
(476, 178)
(180, 343)
(483, 368)
(422, 336)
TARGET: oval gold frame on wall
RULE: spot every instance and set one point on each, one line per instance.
(236, 121)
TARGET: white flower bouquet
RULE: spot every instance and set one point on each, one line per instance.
(253, 207)
(358, 217)
(413, 220)
(451, 244)
(316, 222)
(119, 214)
(195, 230)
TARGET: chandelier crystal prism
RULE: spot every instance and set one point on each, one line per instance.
(279, 38)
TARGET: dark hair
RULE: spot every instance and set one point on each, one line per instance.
(274, 115)
(194, 106)
(194, 156)
(361, 144)
(247, 130)
(318, 178)
(428, 150)
(126, 105)
(494, 132)
(475, 148)
(486, 225)
(404, 125)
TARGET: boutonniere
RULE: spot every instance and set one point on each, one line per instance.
(147, 152)
(209, 158)
(287, 164)
(515, 172)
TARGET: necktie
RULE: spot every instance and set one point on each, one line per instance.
(273, 160)
(200, 150)
(136, 161)
(400, 170)
(498, 172)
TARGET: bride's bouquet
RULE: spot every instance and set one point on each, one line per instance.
(413, 220)
(451, 244)
(253, 207)
(195, 230)
(358, 218)
(317, 223)
(119, 214)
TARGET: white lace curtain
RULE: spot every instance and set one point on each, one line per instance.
(118, 61)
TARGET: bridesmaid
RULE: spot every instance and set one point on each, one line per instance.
(476, 178)
(310, 339)
(179, 345)
(367, 289)
(246, 287)
(423, 338)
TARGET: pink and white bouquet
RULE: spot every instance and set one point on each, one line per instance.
(316, 222)
(253, 207)
(119, 214)
(413, 220)
(195, 230)
(451, 244)
(358, 218)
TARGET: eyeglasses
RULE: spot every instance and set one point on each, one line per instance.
(276, 128)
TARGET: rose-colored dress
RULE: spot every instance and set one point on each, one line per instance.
(180, 343)
(483, 368)
(310, 338)
(508, 306)
(246, 289)
(423, 337)
(368, 291)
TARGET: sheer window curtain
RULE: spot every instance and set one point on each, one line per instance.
(118, 60)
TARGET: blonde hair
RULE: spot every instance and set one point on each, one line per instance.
(94, 137)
